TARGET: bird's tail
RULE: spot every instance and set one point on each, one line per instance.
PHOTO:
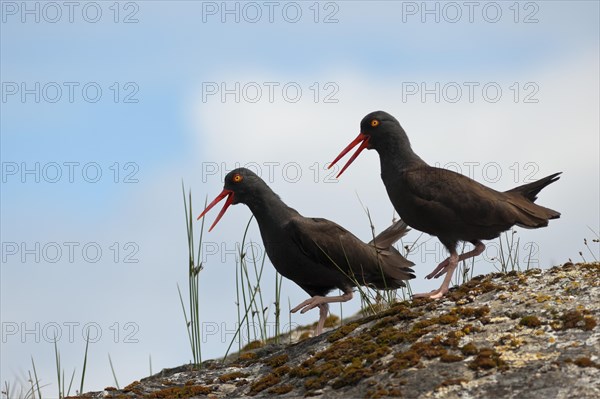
(531, 190)
(395, 268)
(531, 215)
(389, 236)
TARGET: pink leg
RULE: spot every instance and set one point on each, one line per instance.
(322, 303)
(442, 267)
(323, 310)
(440, 292)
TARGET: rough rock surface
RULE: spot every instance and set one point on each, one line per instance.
(516, 335)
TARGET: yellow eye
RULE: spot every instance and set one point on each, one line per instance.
(237, 178)
(374, 123)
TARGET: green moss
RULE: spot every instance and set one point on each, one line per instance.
(571, 319)
(390, 336)
(589, 323)
(471, 312)
(421, 324)
(383, 323)
(331, 321)
(404, 360)
(320, 375)
(428, 349)
(384, 393)
(352, 374)
(513, 288)
(253, 345)
(314, 383)
(576, 319)
(361, 346)
(543, 298)
(475, 286)
(583, 361)
(375, 351)
(281, 371)
(133, 387)
(277, 361)
(399, 311)
(342, 332)
(487, 359)
(232, 376)
(248, 356)
(302, 371)
(469, 349)
(450, 358)
(263, 383)
(452, 339)
(509, 339)
(530, 321)
(448, 319)
(186, 391)
(470, 328)
(281, 390)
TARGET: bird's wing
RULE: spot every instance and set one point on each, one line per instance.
(329, 244)
(456, 198)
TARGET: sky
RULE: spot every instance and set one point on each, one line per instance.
(108, 106)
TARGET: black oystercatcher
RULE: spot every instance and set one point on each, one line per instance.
(441, 202)
(315, 253)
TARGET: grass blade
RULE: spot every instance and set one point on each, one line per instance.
(87, 342)
(112, 369)
(37, 381)
(57, 358)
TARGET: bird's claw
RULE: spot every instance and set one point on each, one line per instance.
(309, 304)
(435, 294)
(440, 270)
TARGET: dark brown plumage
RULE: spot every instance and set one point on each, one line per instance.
(317, 254)
(444, 203)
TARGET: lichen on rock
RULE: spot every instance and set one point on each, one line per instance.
(533, 334)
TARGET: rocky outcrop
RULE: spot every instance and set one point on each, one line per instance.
(515, 335)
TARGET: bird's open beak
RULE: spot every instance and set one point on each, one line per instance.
(363, 139)
(224, 193)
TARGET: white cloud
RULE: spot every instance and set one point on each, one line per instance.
(560, 133)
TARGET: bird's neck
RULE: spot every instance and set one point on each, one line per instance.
(397, 155)
(270, 210)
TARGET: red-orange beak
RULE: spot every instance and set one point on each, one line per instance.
(363, 139)
(224, 193)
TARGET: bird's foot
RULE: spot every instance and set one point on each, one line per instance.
(435, 294)
(310, 303)
(451, 264)
(442, 268)
(439, 270)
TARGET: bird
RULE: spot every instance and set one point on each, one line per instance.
(441, 202)
(317, 254)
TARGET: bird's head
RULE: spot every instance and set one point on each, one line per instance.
(240, 186)
(376, 130)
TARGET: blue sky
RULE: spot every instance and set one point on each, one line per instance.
(367, 58)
